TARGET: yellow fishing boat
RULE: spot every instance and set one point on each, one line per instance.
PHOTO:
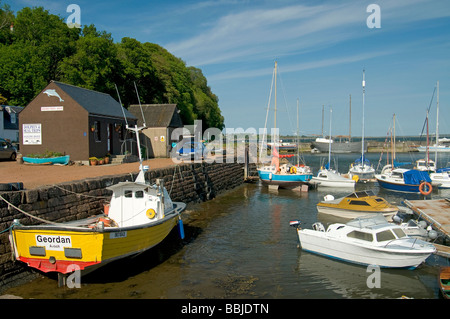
(356, 204)
(138, 217)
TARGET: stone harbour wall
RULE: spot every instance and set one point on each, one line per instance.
(189, 183)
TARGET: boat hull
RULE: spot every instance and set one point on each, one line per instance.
(336, 147)
(317, 242)
(284, 180)
(350, 214)
(63, 160)
(398, 187)
(65, 249)
(444, 282)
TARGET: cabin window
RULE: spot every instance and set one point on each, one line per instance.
(399, 232)
(139, 194)
(385, 235)
(128, 193)
(360, 235)
(359, 202)
(379, 199)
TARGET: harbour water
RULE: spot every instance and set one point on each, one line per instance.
(240, 245)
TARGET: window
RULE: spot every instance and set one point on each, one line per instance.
(399, 232)
(128, 193)
(139, 194)
(360, 235)
(359, 202)
(97, 131)
(385, 235)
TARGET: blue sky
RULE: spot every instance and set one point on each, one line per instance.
(321, 48)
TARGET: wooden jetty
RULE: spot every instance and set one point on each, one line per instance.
(437, 213)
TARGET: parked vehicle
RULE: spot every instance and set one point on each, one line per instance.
(7, 150)
(191, 150)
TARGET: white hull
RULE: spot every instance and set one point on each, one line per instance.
(350, 214)
(442, 180)
(433, 149)
(326, 178)
(320, 243)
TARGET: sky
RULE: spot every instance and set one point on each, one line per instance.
(321, 48)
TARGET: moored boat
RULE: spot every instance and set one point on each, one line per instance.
(62, 160)
(444, 282)
(366, 241)
(284, 175)
(139, 216)
(405, 180)
(356, 204)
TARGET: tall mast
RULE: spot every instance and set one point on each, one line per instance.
(275, 94)
(329, 141)
(437, 126)
(362, 142)
(350, 121)
(298, 139)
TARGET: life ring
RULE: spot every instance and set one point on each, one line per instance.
(151, 213)
(422, 188)
(293, 170)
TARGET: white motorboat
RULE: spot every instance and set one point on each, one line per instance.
(367, 241)
(331, 178)
(441, 177)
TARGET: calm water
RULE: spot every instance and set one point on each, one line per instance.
(240, 245)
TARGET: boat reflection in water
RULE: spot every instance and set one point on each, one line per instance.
(347, 280)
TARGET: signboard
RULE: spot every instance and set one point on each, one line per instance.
(51, 108)
(32, 134)
(53, 242)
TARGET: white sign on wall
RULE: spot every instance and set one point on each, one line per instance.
(51, 108)
(32, 134)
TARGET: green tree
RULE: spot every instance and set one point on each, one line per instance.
(94, 65)
(6, 20)
(32, 58)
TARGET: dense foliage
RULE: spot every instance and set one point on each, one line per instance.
(41, 47)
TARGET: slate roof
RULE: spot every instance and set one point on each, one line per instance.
(96, 103)
(157, 115)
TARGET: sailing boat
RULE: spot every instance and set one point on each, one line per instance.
(285, 175)
(402, 179)
(321, 144)
(138, 217)
(442, 175)
(330, 178)
(361, 169)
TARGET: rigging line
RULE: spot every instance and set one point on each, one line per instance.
(139, 99)
(267, 115)
(123, 112)
(428, 110)
(28, 214)
(285, 101)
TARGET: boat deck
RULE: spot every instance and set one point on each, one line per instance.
(437, 214)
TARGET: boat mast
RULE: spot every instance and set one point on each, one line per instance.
(362, 142)
(350, 121)
(437, 127)
(298, 139)
(275, 126)
(329, 142)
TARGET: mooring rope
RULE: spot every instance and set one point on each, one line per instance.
(78, 194)
(28, 214)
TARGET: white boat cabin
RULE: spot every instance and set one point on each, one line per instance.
(135, 203)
